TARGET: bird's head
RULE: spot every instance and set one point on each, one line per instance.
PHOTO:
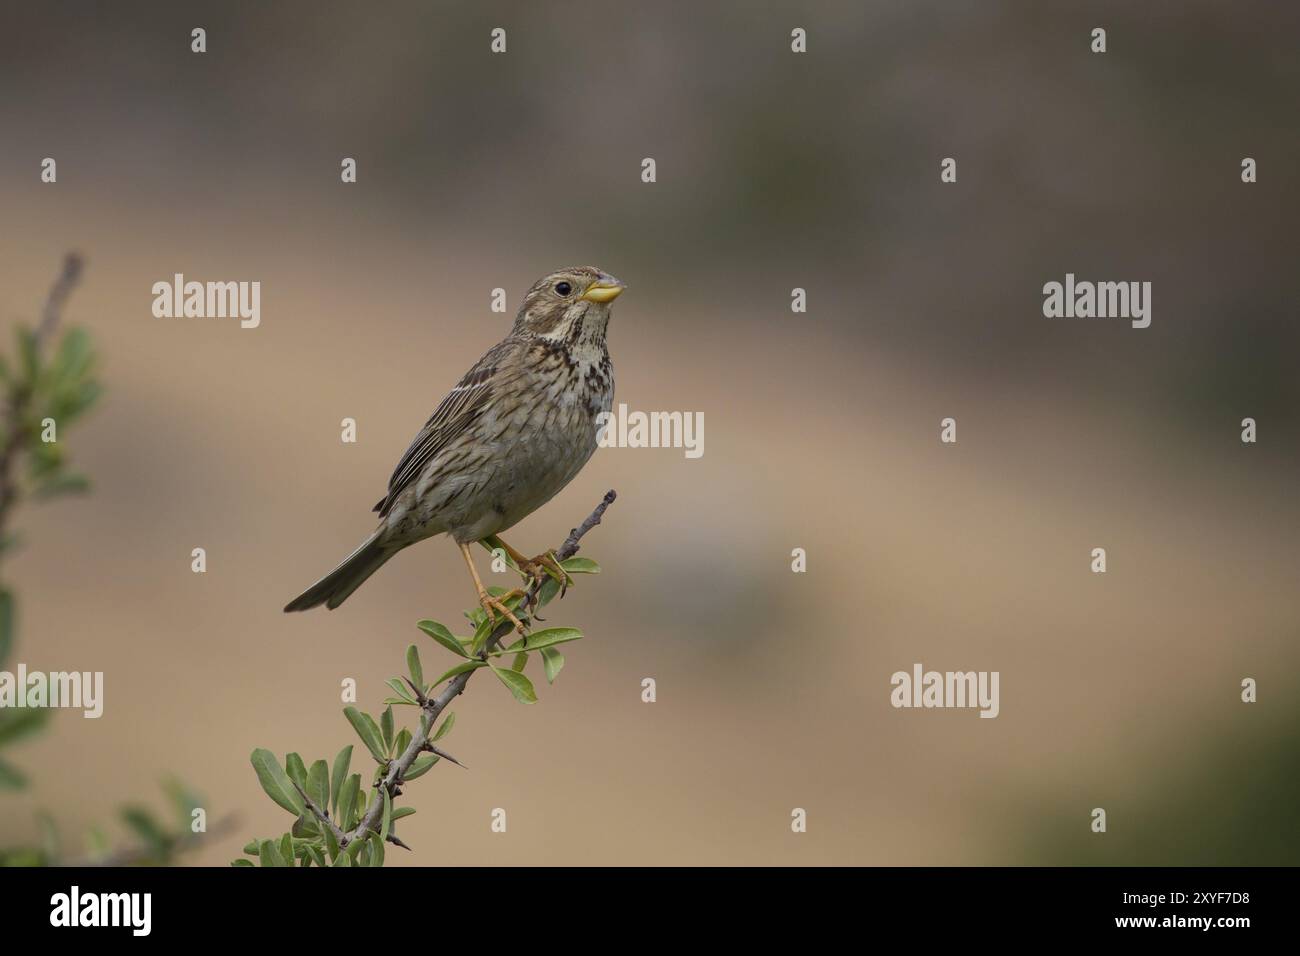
(569, 305)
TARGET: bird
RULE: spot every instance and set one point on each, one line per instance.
(517, 427)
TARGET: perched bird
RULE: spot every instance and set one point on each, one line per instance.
(505, 440)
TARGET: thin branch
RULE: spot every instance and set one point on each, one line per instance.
(432, 708)
(570, 546)
(58, 297)
(319, 813)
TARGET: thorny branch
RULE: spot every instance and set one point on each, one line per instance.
(432, 707)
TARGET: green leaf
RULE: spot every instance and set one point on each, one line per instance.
(402, 742)
(447, 724)
(318, 784)
(269, 854)
(443, 636)
(286, 848)
(367, 730)
(413, 665)
(97, 844)
(146, 827)
(296, 770)
(519, 663)
(386, 821)
(547, 592)
(11, 778)
(316, 855)
(376, 849)
(276, 782)
(546, 638)
(183, 800)
(386, 727)
(580, 566)
(348, 801)
(241, 862)
(519, 685)
(354, 852)
(331, 844)
(340, 773)
(401, 690)
(74, 356)
(420, 766)
(553, 661)
(399, 812)
(17, 724)
(459, 669)
(482, 632)
(62, 484)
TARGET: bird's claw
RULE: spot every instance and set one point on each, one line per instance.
(547, 565)
(491, 604)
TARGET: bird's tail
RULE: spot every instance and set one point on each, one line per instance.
(333, 589)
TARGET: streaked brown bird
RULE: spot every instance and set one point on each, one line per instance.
(505, 440)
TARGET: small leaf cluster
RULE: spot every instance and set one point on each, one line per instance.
(60, 388)
(338, 794)
(336, 822)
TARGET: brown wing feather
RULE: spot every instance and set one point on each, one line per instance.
(454, 414)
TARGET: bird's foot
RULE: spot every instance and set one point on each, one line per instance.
(545, 564)
(492, 604)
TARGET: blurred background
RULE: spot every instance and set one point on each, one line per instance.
(775, 170)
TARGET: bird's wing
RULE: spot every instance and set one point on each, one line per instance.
(454, 414)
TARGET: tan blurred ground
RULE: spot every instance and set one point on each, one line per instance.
(821, 430)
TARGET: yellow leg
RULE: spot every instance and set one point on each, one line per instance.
(487, 601)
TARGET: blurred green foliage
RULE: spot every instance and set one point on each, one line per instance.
(43, 396)
(49, 382)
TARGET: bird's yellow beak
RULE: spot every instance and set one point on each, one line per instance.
(604, 289)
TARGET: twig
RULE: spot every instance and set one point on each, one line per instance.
(570, 546)
(59, 292)
(432, 708)
(319, 813)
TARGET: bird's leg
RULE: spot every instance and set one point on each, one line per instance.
(487, 601)
(537, 568)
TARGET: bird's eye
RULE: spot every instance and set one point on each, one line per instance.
(563, 288)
